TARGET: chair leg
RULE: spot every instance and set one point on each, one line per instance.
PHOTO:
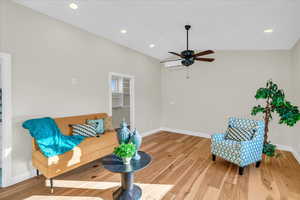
(37, 172)
(241, 170)
(213, 157)
(51, 185)
(257, 164)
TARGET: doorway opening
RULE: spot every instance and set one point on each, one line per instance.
(121, 98)
(5, 120)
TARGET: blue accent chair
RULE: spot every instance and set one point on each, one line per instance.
(240, 153)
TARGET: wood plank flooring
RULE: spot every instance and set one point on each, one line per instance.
(182, 163)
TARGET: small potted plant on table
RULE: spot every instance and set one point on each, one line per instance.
(125, 151)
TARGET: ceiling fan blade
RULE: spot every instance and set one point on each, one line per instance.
(176, 54)
(205, 59)
(203, 53)
(164, 61)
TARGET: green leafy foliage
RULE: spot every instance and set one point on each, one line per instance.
(257, 109)
(278, 98)
(269, 149)
(125, 150)
(288, 113)
(262, 93)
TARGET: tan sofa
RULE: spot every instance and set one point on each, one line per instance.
(87, 151)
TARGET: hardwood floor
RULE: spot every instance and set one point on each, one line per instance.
(183, 165)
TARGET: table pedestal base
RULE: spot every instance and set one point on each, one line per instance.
(128, 191)
(134, 194)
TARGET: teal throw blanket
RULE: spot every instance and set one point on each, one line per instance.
(49, 138)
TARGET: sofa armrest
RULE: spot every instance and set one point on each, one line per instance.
(35, 146)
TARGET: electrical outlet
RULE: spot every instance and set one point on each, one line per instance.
(74, 81)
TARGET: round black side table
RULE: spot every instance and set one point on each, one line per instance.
(128, 190)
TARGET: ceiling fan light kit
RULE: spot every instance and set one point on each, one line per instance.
(187, 62)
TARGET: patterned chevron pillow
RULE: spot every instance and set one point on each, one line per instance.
(84, 130)
(239, 134)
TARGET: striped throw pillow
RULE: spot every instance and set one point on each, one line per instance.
(239, 134)
(84, 130)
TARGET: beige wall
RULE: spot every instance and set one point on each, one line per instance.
(119, 114)
(224, 88)
(2, 11)
(296, 88)
(47, 54)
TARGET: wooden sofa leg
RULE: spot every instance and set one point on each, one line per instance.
(51, 185)
(257, 164)
(241, 170)
(213, 157)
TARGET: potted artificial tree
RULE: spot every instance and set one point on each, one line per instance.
(275, 102)
(126, 152)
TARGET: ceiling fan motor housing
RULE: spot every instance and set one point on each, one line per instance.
(187, 53)
(188, 58)
(187, 27)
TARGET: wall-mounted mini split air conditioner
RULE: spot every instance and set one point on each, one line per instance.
(173, 65)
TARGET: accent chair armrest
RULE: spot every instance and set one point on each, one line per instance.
(247, 143)
(217, 137)
(253, 146)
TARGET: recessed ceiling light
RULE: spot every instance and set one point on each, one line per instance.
(151, 45)
(268, 31)
(73, 6)
(123, 31)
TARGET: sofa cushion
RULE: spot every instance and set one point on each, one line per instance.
(90, 149)
(85, 130)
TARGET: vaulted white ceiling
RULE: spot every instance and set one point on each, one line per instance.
(216, 24)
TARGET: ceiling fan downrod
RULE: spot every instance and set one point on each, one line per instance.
(187, 28)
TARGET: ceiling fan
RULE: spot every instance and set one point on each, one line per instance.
(187, 56)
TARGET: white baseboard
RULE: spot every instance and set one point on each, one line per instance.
(290, 149)
(23, 177)
(186, 132)
(144, 134)
(284, 147)
(296, 155)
